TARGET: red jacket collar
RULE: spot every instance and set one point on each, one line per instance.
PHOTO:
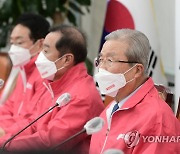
(29, 67)
(139, 95)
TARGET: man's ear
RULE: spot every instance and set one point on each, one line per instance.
(40, 44)
(139, 70)
(37, 46)
(69, 59)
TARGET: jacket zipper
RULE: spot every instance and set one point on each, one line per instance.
(48, 87)
(105, 140)
(108, 130)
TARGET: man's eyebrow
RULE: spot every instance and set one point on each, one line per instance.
(46, 45)
(18, 37)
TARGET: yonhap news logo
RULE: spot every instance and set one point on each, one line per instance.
(161, 139)
(132, 138)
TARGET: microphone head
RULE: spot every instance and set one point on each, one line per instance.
(94, 125)
(113, 151)
(63, 99)
(1, 83)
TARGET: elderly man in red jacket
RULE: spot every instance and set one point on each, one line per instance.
(61, 64)
(138, 121)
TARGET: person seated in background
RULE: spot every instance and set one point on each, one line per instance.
(138, 120)
(61, 65)
(26, 41)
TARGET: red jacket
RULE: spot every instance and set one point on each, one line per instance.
(63, 122)
(20, 103)
(139, 126)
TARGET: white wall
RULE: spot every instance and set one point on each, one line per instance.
(166, 22)
(93, 24)
(177, 53)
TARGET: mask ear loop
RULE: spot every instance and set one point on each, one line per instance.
(60, 68)
(128, 71)
(57, 60)
(130, 80)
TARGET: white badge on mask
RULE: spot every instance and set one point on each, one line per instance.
(19, 56)
(110, 83)
(46, 68)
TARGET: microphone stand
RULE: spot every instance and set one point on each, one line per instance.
(68, 139)
(11, 138)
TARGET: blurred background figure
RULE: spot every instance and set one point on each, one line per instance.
(26, 41)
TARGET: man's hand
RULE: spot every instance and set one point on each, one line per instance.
(2, 132)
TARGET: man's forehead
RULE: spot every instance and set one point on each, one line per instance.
(53, 36)
(50, 39)
(46, 45)
(114, 48)
(107, 53)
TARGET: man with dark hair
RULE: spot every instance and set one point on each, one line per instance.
(37, 25)
(73, 41)
(26, 42)
(61, 65)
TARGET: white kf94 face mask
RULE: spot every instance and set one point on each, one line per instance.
(110, 83)
(19, 56)
(46, 68)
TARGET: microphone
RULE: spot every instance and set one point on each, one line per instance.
(1, 83)
(92, 126)
(113, 151)
(63, 100)
(60, 102)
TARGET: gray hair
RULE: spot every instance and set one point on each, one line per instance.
(138, 45)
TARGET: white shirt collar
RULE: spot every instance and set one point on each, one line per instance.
(120, 104)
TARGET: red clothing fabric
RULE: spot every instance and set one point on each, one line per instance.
(144, 114)
(62, 122)
(19, 104)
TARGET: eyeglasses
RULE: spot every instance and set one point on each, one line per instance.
(108, 62)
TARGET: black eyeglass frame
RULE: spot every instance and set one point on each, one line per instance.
(120, 61)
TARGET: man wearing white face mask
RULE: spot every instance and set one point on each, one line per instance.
(61, 65)
(137, 116)
(26, 42)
